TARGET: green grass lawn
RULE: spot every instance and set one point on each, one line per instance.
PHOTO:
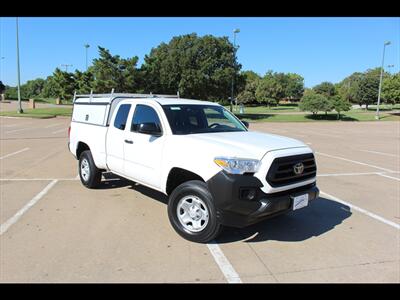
(44, 100)
(348, 116)
(382, 107)
(41, 113)
(266, 110)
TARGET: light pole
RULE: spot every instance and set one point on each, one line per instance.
(86, 46)
(233, 75)
(18, 72)
(380, 80)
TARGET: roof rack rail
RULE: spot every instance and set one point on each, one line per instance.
(124, 95)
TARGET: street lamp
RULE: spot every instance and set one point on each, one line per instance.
(233, 75)
(18, 72)
(86, 46)
(380, 80)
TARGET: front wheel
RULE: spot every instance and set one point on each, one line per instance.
(192, 213)
(88, 172)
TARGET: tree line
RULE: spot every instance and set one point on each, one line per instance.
(358, 88)
(203, 68)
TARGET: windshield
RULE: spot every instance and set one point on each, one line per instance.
(186, 119)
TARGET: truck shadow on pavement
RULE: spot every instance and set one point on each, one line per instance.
(113, 181)
(321, 216)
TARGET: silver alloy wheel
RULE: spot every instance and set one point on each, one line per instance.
(85, 170)
(192, 213)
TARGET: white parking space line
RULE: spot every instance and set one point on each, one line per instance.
(16, 130)
(54, 125)
(381, 153)
(355, 174)
(6, 117)
(6, 225)
(325, 134)
(223, 263)
(364, 211)
(37, 179)
(11, 125)
(16, 152)
(61, 130)
(354, 161)
(387, 176)
(277, 130)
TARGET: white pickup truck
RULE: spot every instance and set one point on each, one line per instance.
(214, 171)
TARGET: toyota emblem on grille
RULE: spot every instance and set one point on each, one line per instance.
(298, 168)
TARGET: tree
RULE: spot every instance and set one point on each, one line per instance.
(313, 102)
(339, 104)
(2, 87)
(347, 88)
(271, 88)
(391, 89)
(197, 67)
(2, 90)
(325, 88)
(50, 88)
(84, 81)
(294, 87)
(112, 72)
(325, 104)
(11, 92)
(366, 89)
(250, 76)
(63, 84)
(33, 88)
(248, 94)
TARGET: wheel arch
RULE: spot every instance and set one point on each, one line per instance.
(177, 176)
(81, 146)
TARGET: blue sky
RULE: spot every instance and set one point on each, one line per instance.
(319, 49)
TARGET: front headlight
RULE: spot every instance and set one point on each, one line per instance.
(234, 165)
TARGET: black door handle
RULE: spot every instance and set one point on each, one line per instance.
(128, 141)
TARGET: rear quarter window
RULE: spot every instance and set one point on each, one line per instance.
(122, 116)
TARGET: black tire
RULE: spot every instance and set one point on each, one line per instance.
(94, 177)
(199, 189)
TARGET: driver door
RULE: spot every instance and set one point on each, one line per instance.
(143, 152)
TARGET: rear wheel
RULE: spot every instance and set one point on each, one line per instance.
(88, 172)
(192, 213)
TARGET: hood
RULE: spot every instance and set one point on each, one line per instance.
(246, 144)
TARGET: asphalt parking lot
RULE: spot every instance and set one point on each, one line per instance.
(55, 230)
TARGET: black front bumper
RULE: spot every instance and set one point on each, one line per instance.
(235, 209)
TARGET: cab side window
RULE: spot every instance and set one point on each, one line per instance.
(122, 116)
(144, 114)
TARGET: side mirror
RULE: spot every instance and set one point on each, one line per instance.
(150, 128)
(246, 124)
